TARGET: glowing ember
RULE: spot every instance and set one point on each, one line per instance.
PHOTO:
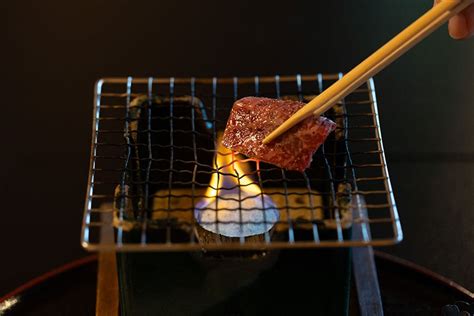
(230, 211)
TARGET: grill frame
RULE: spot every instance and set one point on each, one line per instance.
(106, 240)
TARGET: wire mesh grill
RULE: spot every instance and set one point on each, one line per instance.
(155, 149)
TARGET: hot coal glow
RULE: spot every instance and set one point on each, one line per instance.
(234, 205)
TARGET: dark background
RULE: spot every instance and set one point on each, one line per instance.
(53, 51)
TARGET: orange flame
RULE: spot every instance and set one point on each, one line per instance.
(233, 204)
(231, 173)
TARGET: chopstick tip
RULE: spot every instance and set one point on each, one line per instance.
(272, 136)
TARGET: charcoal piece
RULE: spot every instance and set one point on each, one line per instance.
(168, 138)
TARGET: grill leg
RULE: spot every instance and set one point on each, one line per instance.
(107, 302)
(367, 284)
(365, 272)
(107, 299)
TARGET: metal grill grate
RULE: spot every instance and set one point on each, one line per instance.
(154, 152)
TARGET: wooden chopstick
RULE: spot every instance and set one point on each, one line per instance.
(384, 56)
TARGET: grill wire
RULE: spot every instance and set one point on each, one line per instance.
(153, 153)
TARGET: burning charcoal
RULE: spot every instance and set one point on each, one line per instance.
(167, 128)
(252, 119)
(161, 128)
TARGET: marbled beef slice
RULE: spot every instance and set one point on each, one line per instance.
(253, 118)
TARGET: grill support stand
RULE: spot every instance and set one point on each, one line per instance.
(365, 272)
(107, 298)
(364, 269)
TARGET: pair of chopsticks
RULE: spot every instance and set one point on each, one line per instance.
(384, 56)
